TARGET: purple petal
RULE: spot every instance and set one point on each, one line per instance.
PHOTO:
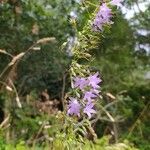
(117, 3)
(74, 107)
(80, 82)
(103, 16)
(89, 110)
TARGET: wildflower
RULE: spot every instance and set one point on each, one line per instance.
(94, 80)
(97, 24)
(103, 16)
(74, 107)
(89, 110)
(105, 13)
(80, 82)
(116, 3)
(89, 87)
(89, 95)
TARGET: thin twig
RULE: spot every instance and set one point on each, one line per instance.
(63, 90)
(112, 103)
(18, 57)
(5, 121)
(135, 123)
(17, 97)
(108, 114)
(6, 53)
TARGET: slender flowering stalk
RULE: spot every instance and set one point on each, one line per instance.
(87, 89)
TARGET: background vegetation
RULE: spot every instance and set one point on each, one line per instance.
(32, 89)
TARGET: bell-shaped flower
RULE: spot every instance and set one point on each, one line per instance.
(102, 17)
(94, 80)
(89, 95)
(74, 107)
(80, 82)
(89, 110)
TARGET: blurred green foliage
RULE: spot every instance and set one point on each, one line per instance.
(25, 22)
(123, 70)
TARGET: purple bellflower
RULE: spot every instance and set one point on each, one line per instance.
(116, 3)
(89, 96)
(94, 80)
(89, 90)
(89, 110)
(80, 82)
(105, 13)
(74, 107)
(103, 17)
